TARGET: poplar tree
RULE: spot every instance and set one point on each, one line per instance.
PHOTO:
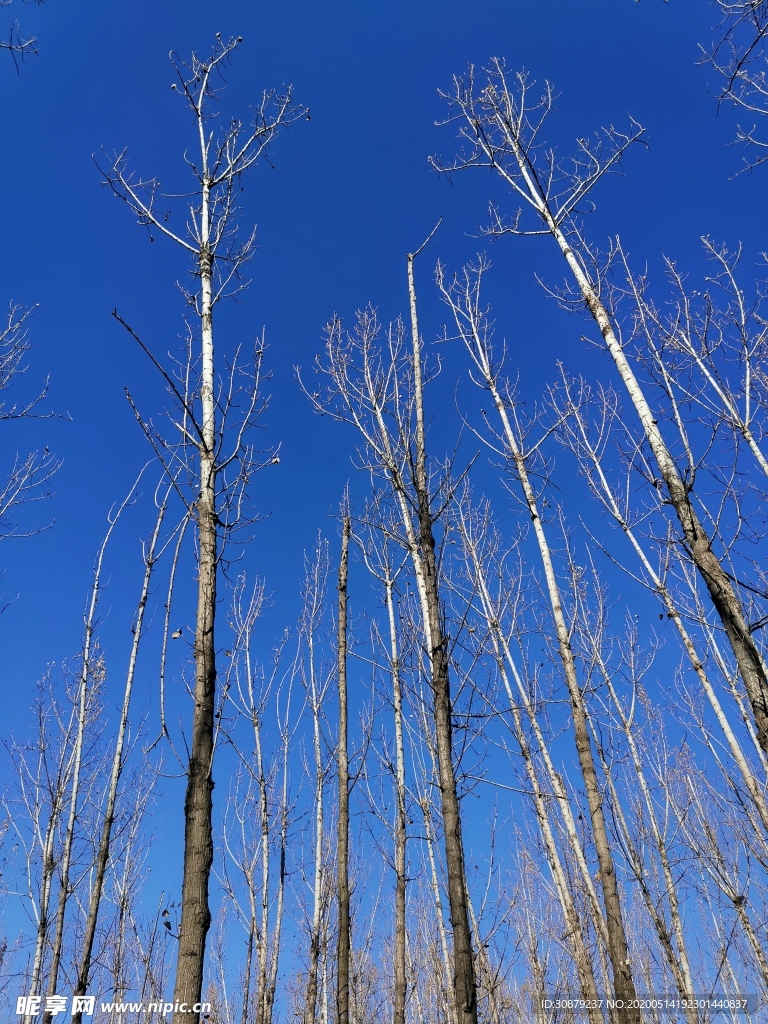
(219, 461)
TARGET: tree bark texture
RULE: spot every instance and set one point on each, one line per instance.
(316, 943)
(400, 977)
(343, 946)
(465, 988)
(198, 804)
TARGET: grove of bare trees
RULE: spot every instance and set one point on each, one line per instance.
(499, 753)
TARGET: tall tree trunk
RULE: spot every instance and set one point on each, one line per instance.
(465, 989)
(82, 710)
(316, 934)
(269, 1000)
(198, 804)
(587, 451)
(209, 223)
(574, 928)
(261, 1010)
(248, 965)
(618, 948)
(426, 809)
(48, 868)
(344, 937)
(400, 992)
(258, 931)
(484, 959)
(102, 857)
(697, 541)
(57, 793)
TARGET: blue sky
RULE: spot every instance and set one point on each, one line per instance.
(351, 193)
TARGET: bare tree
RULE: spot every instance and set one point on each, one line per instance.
(463, 297)
(219, 475)
(400, 972)
(479, 545)
(343, 945)
(382, 395)
(572, 401)
(18, 45)
(738, 56)
(30, 475)
(377, 553)
(504, 132)
(259, 810)
(44, 772)
(437, 645)
(285, 732)
(84, 700)
(317, 685)
(118, 764)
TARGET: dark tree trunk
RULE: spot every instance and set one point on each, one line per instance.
(465, 986)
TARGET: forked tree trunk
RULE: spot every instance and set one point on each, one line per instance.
(465, 990)
(343, 945)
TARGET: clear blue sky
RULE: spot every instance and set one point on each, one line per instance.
(351, 193)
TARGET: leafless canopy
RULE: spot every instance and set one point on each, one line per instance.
(209, 218)
(29, 476)
(15, 42)
(739, 57)
(500, 126)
